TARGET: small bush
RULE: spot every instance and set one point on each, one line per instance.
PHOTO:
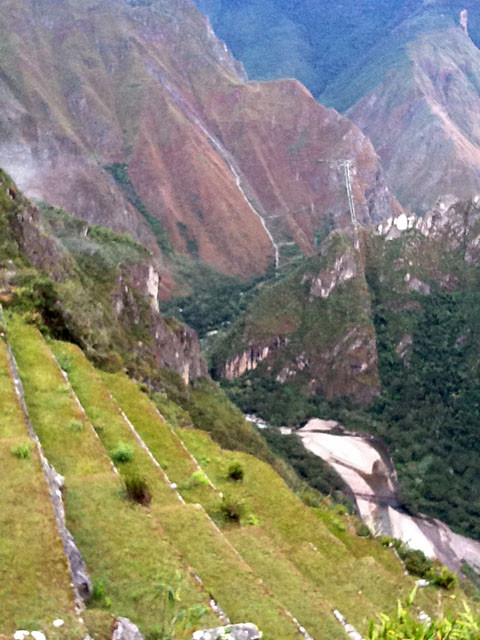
(22, 451)
(310, 498)
(363, 531)
(251, 519)
(233, 510)
(417, 564)
(198, 479)
(444, 578)
(122, 454)
(136, 489)
(236, 471)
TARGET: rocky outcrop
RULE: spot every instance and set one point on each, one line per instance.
(452, 222)
(344, 269)
(138, 118)
(313, 328)
(129, 278)
(251, 358)
(316, 326)
(124, 629)
(233, 632)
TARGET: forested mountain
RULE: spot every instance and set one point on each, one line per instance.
(387, 319)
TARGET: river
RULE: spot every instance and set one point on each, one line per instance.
(364, 463)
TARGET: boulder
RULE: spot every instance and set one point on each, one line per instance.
(124, 629)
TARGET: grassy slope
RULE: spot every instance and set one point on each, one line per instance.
(356, 576)
(124, 547)
(30, 548)
(206, 550)
(305, 578)
(305, 562)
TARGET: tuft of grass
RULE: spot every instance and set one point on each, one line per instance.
(65, 362)
(21, 451)
(136, 488)
(75, 425)
(198, 479)
(236, 471)
(234, 510)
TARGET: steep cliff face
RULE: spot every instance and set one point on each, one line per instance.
(313, 328)
(91, 286)
(406, 72)
(318, 326)
(423, 121)
(135, 116)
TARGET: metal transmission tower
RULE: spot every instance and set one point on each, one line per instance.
(346, 165)
(348, 182)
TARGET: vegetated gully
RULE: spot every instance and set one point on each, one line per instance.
(364, 463)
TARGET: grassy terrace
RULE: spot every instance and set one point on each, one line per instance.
(126, 550)
(34, 577)
(334, 567)
(162, 442)
(299, 595)
(358, 577)
(225, 575)
(295, 558)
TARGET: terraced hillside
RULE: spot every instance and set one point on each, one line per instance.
(34, 577)
(280, 564)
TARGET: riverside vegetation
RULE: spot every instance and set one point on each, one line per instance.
(433, 438)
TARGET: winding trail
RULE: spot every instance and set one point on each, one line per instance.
(225, 155)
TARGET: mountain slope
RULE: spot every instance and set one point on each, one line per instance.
(423, 118)
(386, 319)
(131, 550)
(134, 116)
(97, 288)
(407, 73)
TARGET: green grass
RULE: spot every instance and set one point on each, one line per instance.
(355, 575)
(295, 558)
(339, 549)
(304, 599)
(189, 529)
(34, 576)
(159, 437)
(113, 431)
(123, 545)
(239, 591)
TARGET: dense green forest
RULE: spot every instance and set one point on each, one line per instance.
(210, 300)
(428, 412)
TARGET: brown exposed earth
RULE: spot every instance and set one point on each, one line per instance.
(91, 84)
(423, 120)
